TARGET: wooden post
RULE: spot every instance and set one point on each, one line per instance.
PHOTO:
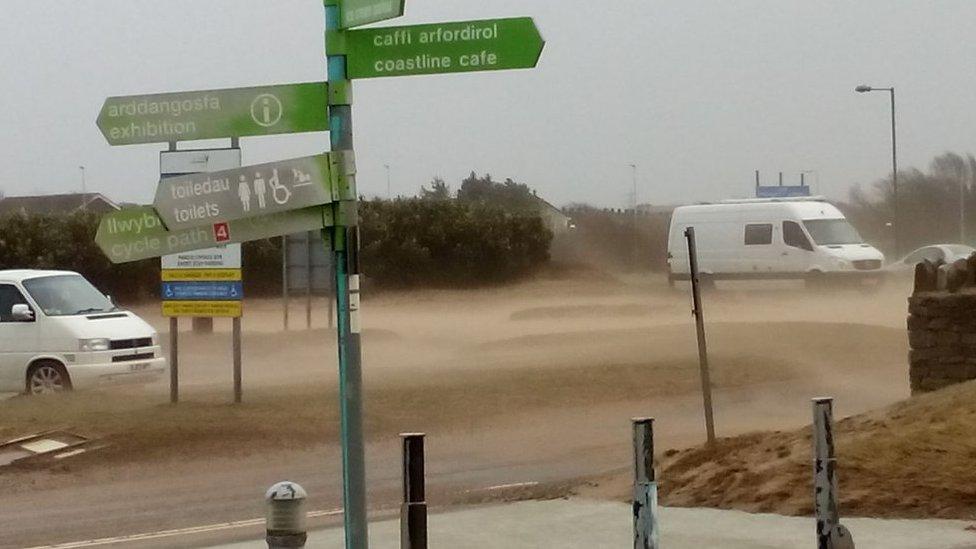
(706, 382)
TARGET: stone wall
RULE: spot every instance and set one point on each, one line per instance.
(942, 325)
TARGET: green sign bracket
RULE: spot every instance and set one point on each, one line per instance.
(345, 214)
(335, 42)
(343, 175)
(340, 93)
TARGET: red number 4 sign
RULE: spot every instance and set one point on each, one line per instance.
(221, 232)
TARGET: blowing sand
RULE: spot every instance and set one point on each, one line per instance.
(534, 382)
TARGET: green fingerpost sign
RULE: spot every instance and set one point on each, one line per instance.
(138, 233)
(363, 12)
(467, 46)
(215, 114)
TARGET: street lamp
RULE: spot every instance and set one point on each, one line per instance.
(387, 166)
(894, 157)
(636, 240)
(84, 185)
(634, 168)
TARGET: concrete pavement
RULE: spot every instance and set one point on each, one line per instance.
(578, 523)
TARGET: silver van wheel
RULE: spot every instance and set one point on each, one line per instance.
(47, 377)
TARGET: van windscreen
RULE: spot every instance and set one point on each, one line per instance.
(832, 232)
(66, 295)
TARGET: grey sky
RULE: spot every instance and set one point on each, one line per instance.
(697, 93)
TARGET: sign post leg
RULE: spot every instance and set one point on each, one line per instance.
(309, 236)
(284, 278)
(174, 360)
(238, 374)
(332, 290)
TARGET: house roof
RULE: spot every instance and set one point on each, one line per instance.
(546, 205)
(56, 203)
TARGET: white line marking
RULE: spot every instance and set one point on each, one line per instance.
(507, 486)
(179, 532)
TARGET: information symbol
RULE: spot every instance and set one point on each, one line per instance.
(266, 110)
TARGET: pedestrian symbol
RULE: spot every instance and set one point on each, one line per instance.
(244, 191)
(266, 110)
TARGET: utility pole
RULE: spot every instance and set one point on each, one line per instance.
(389, 196)
(84, 184)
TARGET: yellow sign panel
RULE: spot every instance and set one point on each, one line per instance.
(204, 309)
(190, 275)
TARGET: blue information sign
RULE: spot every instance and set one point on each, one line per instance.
(782, 191)
(202, 291)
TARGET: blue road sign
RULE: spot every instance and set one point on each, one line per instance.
(782, 191)
(202, 291)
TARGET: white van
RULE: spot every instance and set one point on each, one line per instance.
(804, 238)
(57, 333)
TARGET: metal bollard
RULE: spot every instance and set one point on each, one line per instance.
(285, 516)
(645, 485)
(830, 533)
(413, 512)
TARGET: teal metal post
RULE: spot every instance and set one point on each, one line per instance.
(345, 244)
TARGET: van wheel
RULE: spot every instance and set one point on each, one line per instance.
(47, 377)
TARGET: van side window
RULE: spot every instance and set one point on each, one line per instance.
(759, 234)
(793, 236)
(9, 296)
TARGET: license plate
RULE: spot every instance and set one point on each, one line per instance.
(138, 367)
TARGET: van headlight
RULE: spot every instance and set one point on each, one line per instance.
(97, 344)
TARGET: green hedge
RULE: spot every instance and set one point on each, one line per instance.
(444, 243)
(406, 243)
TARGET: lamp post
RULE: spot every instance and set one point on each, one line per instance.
(84, 185)
(894, 159)
(633, 167)
(388, 195)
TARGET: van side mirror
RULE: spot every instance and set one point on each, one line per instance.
(21, 312)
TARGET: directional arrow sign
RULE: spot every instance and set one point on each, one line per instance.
(468, 46)
(208, 198)
(363, 12)
(138, 233)
(214, 114)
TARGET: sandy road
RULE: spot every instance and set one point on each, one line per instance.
(534, 383)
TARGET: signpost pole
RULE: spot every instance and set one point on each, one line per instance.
(332, 290)
(308, 280)
(344, 247)
(238, 375)
(284, 278)
(174, 360)
(700, 327)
